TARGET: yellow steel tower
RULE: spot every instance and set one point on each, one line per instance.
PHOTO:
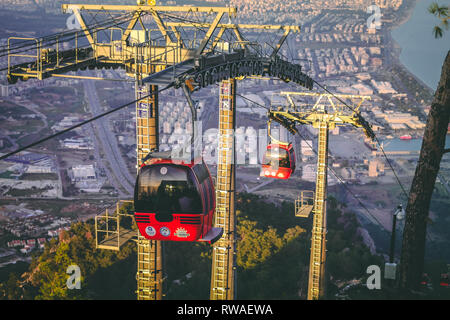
(223, 258)
(323, 115)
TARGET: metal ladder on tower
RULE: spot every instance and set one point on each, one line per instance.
(222, 279)
(318, 249)
(147, 276)
(149, 267)
(146, 120)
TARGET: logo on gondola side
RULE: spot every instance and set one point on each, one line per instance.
(181, 233)
(150, 231)
(165, 232)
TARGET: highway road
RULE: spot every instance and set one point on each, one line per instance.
(118, 173)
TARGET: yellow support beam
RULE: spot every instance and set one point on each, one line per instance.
(100, 7)
(131, 25)
(209, 34)
(83, 26)
(233, 26)
(280, 42)
(162, 27)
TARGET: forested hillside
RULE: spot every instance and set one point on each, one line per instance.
(272, 259)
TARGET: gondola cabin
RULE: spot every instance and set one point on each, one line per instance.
(278, 161)
(444, 282)
(174, 200)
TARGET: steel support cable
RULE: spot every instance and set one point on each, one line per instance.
(290, 50)
(374, 136)
(58, 35)
(72, 35)
(282, 55)
(55, 41)
(334, 173)
(342, 182)
(78, 125)
(260, 52)
(65, 40)
(193, 22)
(96, 21)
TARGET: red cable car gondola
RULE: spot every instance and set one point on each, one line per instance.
(175, 201)
(278, 161)
(444, 281)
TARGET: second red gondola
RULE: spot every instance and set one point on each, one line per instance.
(278, 161)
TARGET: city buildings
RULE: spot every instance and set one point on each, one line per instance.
(85, 178)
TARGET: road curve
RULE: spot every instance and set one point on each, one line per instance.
(108, 141)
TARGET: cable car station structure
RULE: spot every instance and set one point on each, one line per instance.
(172, 54)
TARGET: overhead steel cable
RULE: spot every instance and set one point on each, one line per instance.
(342, 182)
(193, 22)
(349, 190)
(98, 28)
(5, 156)
(71, 32)
(374, 136)
(68, 32)
(62, 37)
(331, 169)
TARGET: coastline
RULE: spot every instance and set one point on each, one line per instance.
(408, 13)
(397, 49)
(413, 67)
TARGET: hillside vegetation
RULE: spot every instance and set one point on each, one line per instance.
(272, 259)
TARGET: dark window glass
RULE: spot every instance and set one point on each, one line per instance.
(204, 197)
(167, 188)
(201, 172)
(211, 190)
(212, 194)
(292, 155)
(275, 157)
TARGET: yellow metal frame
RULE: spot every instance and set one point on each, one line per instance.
(117, 237)
(229, 10)
(304, 204)
(171, 53)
